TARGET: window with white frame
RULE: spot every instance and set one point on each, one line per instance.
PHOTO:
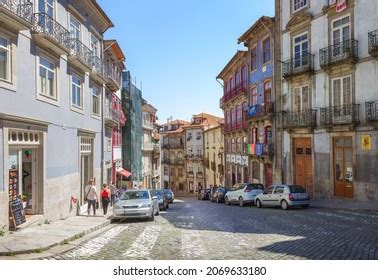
(74, 28)
(301, 99)
(46, 78)
(299, 4)
(199, 169)
(300, 49)
(340, 33)
(95, 100)
(76, 92)
(94, 45)
(4, 59)
(341, 88)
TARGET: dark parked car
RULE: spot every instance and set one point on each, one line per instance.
(218, 194)
(170, 195)
(212, 191)
(163, 199)
(204, 194)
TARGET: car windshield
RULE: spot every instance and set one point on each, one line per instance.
(159, 194)
(296, 189)
(129, 195)
(255, 187)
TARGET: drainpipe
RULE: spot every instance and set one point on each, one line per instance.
(102, 138)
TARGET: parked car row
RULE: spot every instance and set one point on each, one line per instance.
(142, 203)
(285, 196)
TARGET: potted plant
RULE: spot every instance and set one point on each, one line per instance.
(24, 200)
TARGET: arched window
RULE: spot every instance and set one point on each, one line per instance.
(253, 100)
(268, 91)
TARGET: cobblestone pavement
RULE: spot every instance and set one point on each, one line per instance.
(192, 229)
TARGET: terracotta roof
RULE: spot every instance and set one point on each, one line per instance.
(209, 121)
(264, 20)
(176, 122)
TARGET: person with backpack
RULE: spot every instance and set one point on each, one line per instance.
(91, 196)
(105, 198)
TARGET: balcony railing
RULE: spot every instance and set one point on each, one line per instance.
(340, 115)
(373, 43)
(261, 149)
(190, 174)
(180, 161)
(371, 110)
(79, 50)
(298, 65)
(21, 8)
(260, 110)
(199, 174)
(147, 125)
(44, 24)
(113, 76)
(111, 114)
(304, 118)
(236, 91)
(340, 52)
(175, 146)
(97, 66)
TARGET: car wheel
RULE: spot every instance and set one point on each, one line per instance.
(305, 206)
(258, 203)
(241, 202)
(167, 206)
(226, 201)
(284, 205)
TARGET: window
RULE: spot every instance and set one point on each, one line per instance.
(253, 135)
(4, 59)
(253, 59)
(199, 169)
(95, 101)
(301, 99)
(199, 134)
(253, 100)
(46, 6)
(199, 152)
(299, 4)
(94, 45)
(256, 170)
(266, 50)
(279, 190)
(180, 172)
(190, 168)
(46, 78)
(76, 92)
(269, 191)
(300, 50)
(213, 136)
(238, 145)
(341, 91)
(233, 145)
(341, 30)
(74, 28)
(267, 91)
(166, 170)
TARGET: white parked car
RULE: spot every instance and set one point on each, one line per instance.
(136, 204)
(285, 196)
(243, 193)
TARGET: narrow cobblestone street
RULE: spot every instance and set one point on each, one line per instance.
(193, 229)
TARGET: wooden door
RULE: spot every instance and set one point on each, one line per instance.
(303, 163)
(268, 175)
(343, 167)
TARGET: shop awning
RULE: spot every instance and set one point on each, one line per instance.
(124, 172)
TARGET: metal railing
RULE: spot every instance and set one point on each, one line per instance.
(21, 8)
(110, 113)
(371, 111)
(77, 48)
(112, 73)
(237, 90)
(43, 23)
(97, 65)
(296, 65)
(303, 118)
(347, 49)
(373, 42)
(344, 114)
(260, 110)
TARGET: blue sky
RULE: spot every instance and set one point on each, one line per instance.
(177, 48)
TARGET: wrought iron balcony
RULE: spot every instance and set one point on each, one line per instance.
(199, 175)
(180, 161)
(80, 55)
(340, 115)
(97, 69)
(113, 77)
(346, 51)
(260, 110)
(373, 43)
(50, 34)
(261, 150)
(190, 174)
(111, 115)
(16, 14)
(371, 111)
(298, 119)
(298, 65)
(238, 90)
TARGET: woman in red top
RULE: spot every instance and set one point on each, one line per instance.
(105, 198)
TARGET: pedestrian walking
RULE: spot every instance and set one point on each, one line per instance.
(113, 193)
(105, 198)
(91, 196)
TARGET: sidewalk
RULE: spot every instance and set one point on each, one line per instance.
(344, 204)
(38, 238)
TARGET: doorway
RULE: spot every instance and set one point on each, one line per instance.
(343, 167)
(268, 175)
(84, 168)
(303, 163)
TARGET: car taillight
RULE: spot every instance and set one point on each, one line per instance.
(291, 197)
(247, 190)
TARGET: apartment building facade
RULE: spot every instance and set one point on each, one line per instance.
(51, 89)
(173, 173)
(234, 103)
(259, 40)
(214, 155)
(329, 96)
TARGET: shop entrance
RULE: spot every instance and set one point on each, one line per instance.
(303, 162)
(268, 174)
(86, 164)
(343, 167)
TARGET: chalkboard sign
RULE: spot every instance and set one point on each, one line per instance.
(17, 212)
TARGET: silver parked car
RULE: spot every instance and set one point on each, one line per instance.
(136, 204)
(285, 196)
(243, 193)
